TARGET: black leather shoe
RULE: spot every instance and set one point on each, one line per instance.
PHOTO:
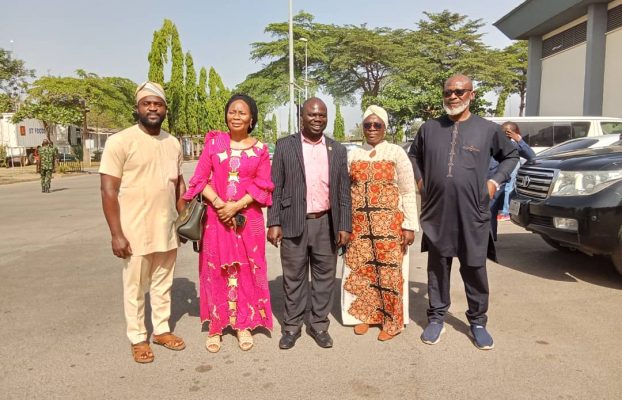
(322, 338)
(288, 340)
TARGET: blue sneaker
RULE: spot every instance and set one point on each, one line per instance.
(432, 333)
(481, 337)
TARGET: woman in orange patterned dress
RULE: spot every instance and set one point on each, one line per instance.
(384, 221)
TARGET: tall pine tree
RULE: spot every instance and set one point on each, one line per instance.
(274, 129)
(191, 97)
(168, 37)
(339, 131)
(202, 101)
(218, 97)
(175, 95)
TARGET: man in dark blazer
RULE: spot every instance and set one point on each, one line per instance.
(311, 218)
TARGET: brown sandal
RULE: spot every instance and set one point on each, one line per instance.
(383, 336)
(142, 353)
(169, 341)
(361, 329)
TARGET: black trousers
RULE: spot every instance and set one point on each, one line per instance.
(314, 250)
(475, 281)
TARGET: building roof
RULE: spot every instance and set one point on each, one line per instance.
(538, 17)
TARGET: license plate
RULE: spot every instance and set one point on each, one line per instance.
(514, 207)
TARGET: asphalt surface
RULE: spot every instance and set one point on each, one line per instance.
(556, 319)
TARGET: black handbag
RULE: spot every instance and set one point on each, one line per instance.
(189, 223)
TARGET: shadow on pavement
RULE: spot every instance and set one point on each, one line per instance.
(184, 300)
(276, 300)
(418, 303)
(538, 259)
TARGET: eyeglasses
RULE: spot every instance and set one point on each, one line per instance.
(457, 92)
(368, 125)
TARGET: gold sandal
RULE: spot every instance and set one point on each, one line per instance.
(212, 344)
(245, 339)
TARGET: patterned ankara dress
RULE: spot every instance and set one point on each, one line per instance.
(232, 265)
(375, 272)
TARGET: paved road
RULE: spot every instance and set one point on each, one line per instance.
(556, 319)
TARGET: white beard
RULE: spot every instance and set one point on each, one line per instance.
(457, 109)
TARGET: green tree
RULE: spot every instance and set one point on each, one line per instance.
(202, 102)
(274, 129)
(163, 40)
(158, 55)
(339, 131)
(347, 61)
(6, 103)
(13, 80)
(191, 97)
(175, 96)
(218, 97)
(108, 102)
(402, 69)
(269, 86)
(361, 61)
(514, 58)
(398, 136)
(443, 44)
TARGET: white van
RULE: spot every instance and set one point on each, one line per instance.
(543, 132)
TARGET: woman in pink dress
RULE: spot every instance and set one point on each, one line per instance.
(233, 174)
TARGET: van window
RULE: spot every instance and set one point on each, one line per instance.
(547, 134)
(580, 129)
(532, 133)
(611, 127)
(540, 135)
(561, 133)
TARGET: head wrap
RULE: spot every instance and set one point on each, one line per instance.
(379, 112)
(149, 89)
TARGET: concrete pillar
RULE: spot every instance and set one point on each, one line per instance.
(534, 77)
(595, 59)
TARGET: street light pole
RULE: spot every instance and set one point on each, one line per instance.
(86, 155)
(305, 40)
(292, 111)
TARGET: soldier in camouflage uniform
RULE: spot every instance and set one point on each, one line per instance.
(47, 156)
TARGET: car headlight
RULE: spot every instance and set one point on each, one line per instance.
(582, 183)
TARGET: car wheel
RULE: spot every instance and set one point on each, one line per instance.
(616, 258)
(556, 245)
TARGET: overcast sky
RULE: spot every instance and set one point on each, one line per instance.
(113, 37)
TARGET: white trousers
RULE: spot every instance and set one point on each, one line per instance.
(151, 273)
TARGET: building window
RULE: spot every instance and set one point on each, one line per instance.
(614, 18)
(565, 40)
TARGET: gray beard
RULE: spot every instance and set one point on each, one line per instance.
(457, 110)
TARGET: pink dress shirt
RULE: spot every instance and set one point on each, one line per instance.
(315, 158)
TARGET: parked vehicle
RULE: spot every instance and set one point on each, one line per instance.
(591, 142)
(540, 133)
(573, 201)
(351, 146)
(22, 139)
(65, 157)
